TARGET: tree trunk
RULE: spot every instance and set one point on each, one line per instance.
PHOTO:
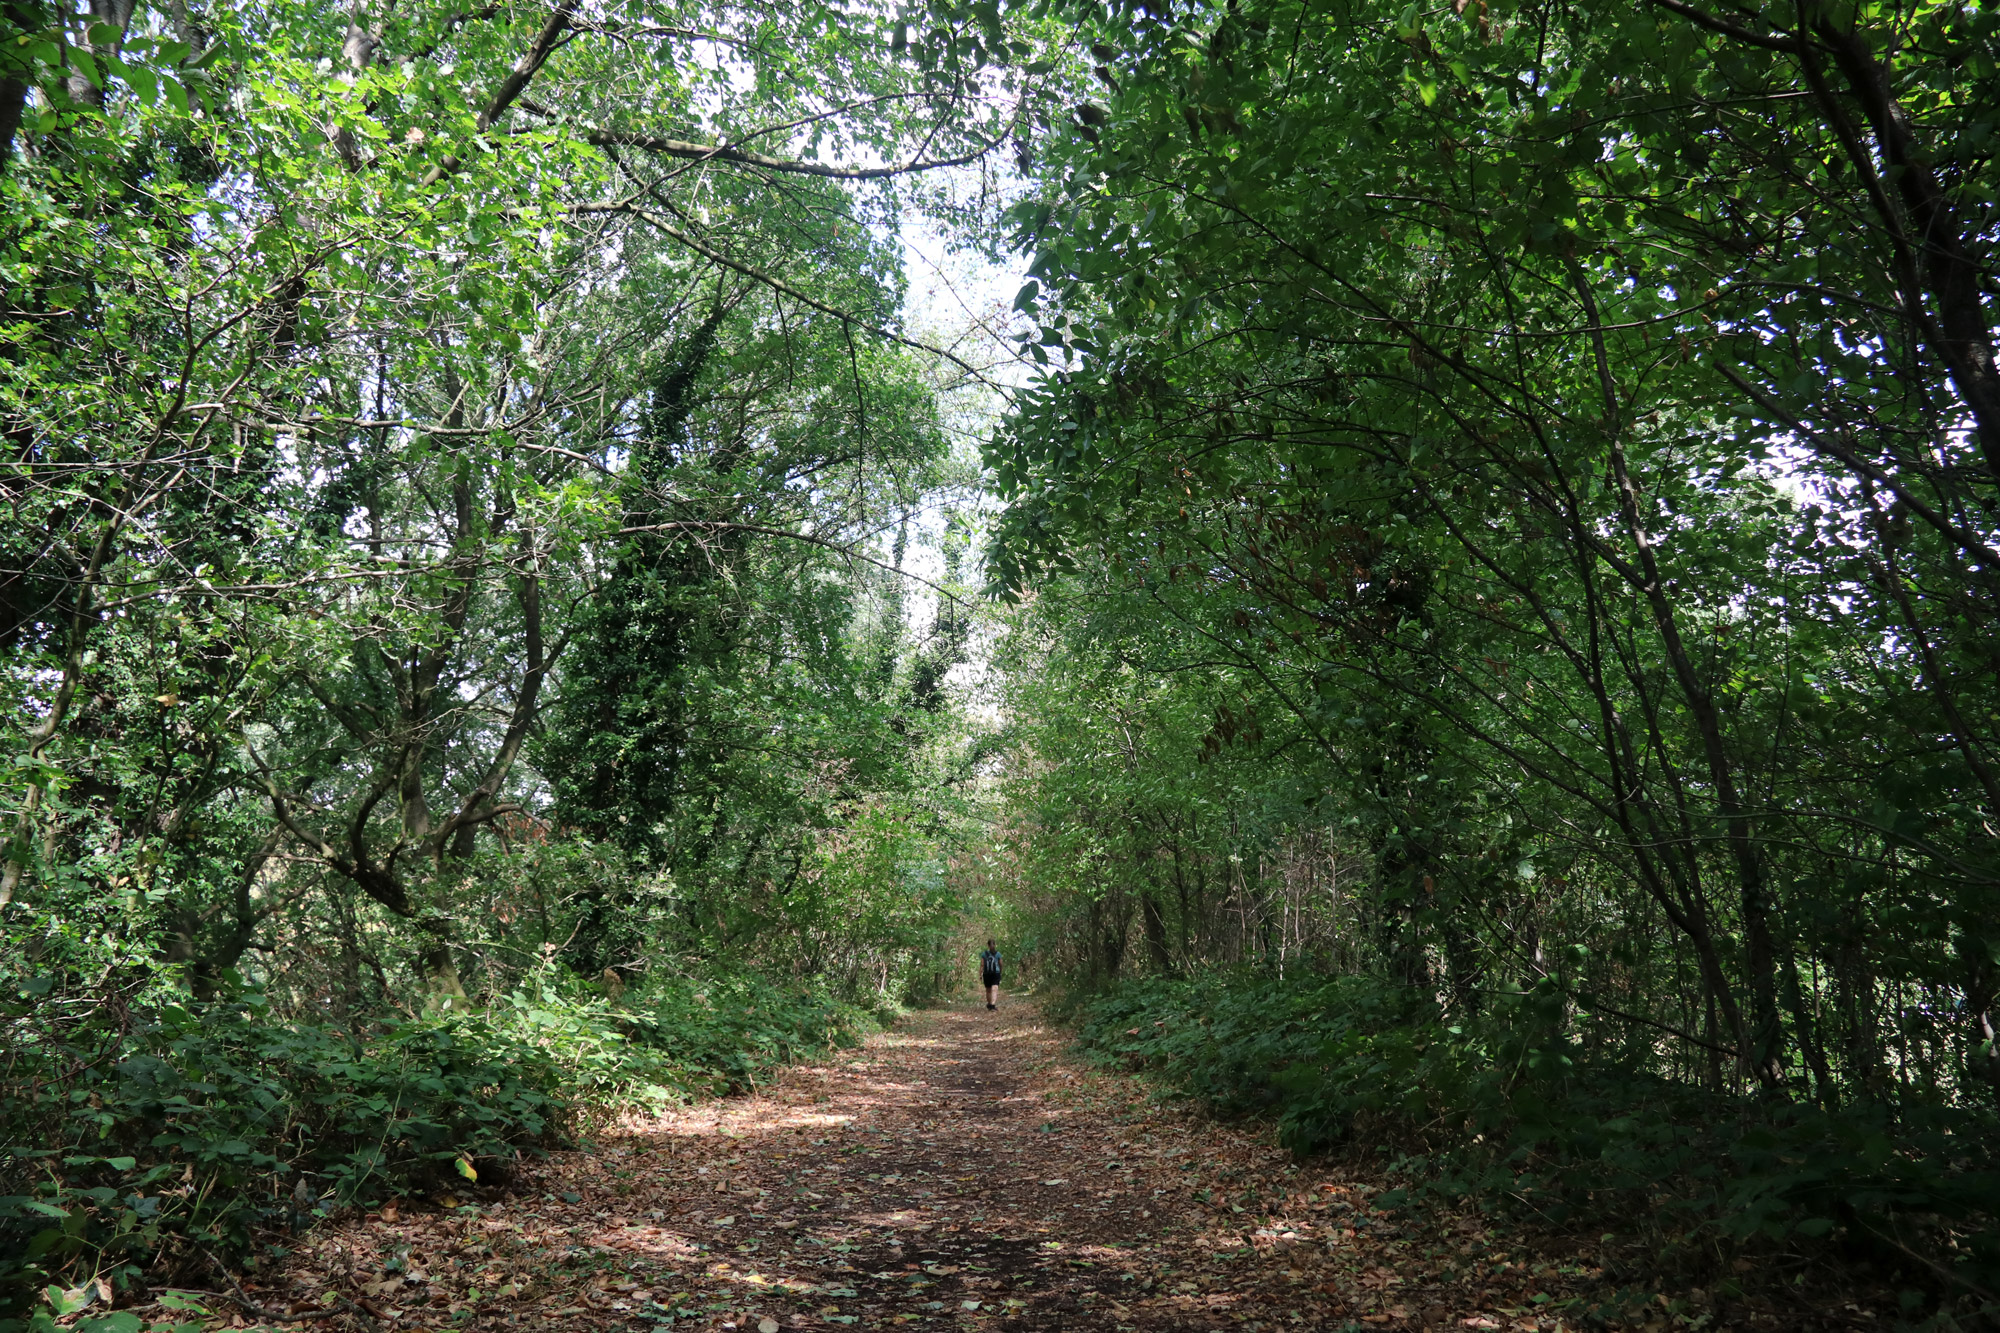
(117, 15)
(1156, 931)
(443, 991)
(1762, 1052)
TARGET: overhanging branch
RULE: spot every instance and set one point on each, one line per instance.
(665, 225)
(706, 525)
(701, 152)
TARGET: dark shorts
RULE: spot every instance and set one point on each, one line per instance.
(989, 978)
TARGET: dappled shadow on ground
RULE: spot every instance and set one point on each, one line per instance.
(956, 1173)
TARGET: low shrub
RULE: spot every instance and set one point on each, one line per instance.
(724, 1032)
(675, 1039)
(1504, 1107)
(140, 1135)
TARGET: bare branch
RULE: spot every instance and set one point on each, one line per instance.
(699, 152)
(661, 222)
(705, 525)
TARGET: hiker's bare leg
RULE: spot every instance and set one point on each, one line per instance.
(992, 997)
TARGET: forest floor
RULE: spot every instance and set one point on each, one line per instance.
(958, 1172)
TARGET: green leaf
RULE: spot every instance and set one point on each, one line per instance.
(85, 64)
(142, 81)
(120, 1321)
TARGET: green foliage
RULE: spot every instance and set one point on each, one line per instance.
(676, 1039)
(1429, 382)
(339, 495)
(145, 1135)
(1502, 1108)
(160, 1133)
(725, 1032)
(1505, 517)
(446, 459)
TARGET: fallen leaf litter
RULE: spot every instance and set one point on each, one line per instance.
(957, 1172)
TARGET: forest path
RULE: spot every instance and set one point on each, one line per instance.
(957, 1172)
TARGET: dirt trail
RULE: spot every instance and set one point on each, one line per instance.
(957, 1172)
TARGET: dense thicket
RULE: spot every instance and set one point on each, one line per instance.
(1512, 509)
(460, 466)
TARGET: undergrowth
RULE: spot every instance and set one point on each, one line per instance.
(1504, 1107)
(146, 1138)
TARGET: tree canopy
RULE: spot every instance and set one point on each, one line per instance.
(1489, 525)
(1508, 511)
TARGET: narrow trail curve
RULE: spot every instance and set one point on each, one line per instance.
(957, 1172)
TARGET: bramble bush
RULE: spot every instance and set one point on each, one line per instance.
(141, 1134)
(1507, 1107)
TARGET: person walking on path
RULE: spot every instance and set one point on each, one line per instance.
(989, 974)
